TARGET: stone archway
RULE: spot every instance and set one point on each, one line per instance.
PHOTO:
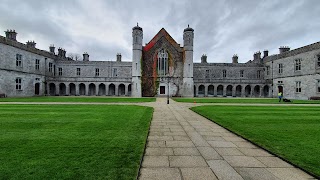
(72, 89)
(62, 89)
(220, 90)
(238, 91)
(266, 91)
(201, 90)
(256, 91)
(37, 89)
(52, 89)
(82, 89)
(210, 90)
(112, 90)
(247, 91)
(122, 90)
(102, 89)
(229, 90)
(92, 89)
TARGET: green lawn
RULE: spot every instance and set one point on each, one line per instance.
(291, 132)
(243, 100)
(72, 142)
(77, 99)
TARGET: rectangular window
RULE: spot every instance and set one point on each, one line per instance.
(224, 73)
(97, 72)
(115, 72)
(318, 86)
(297, 65)
(50, 67)
(78, 71)
(60, 71)
(258, 74)
(207, 73)
(241, 73)
(18, 84)
(280, 68)
(318, 62)
(298, 86)
(18, 60)
(268, 70)
(136, 66)
(37, 64)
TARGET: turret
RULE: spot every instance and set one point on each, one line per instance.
(188, 35)
(137, 36)
(265, 53)
(11, 34)
(235, 58)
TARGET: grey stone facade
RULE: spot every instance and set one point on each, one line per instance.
(28, 71)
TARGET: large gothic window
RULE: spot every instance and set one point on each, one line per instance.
(163, 66)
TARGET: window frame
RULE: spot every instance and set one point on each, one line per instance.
(78, 71)
(297, 66)
(224, 73)
(259, 74)
(19, 84)
(241, 73)
(60, 71)
(163, 62)
(280, 68)
(114, 72)
(37, 64)
(97, 72)
(50, 67)
(298, 86)
(18, 60)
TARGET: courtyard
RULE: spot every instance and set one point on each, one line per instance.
(101, 138)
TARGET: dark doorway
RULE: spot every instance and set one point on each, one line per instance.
(280, 89)
(37, 89)
(162, 89)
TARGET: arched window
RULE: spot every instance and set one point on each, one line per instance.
(163, 67)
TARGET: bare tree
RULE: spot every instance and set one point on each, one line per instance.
(74, 56)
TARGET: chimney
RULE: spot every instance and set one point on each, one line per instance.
(64, 53)
(265, 53)
(204, 58)
(118, 57)
(85, 56)
(283, 49)
(52, 48)
(235, 58)
(60, 52)
(11, 34)
(31, 44)
(257, 56)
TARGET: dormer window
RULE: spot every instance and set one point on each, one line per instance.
(163, 66)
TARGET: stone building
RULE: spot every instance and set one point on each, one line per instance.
(160, 67)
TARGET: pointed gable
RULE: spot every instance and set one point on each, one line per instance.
(158, 36)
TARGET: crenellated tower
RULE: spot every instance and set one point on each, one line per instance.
(137, 36)
(188, 36)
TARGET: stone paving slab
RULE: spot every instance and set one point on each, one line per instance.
(198, 174)
(184, 145)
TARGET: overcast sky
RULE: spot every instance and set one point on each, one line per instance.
(222, 27)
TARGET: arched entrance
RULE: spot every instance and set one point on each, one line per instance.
(256, 91)
(112, 90)
(266, 91)
(82, 89)
(194, 91)
(220, 90)
(238, 91)
(280, 89)
(247, 91)
(92, 89)
(210, 90)
(129, 90)
(201, 90)
(72, 89)
(37, 89)
(121, 90)
(62, 89)
(52, 89)
(102, 89)
(229, 90)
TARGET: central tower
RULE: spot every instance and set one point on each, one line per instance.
(137, 36)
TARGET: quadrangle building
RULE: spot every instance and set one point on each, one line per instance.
(160, 67)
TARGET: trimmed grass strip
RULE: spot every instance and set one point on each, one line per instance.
(243, 100)
(72, 141)
(292, 133)
(77, 99)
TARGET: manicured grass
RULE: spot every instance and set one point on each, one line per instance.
(72, 141)
(243, 100)
(77, 99)
(291, 132)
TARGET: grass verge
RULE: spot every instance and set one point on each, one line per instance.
(243, 100)
(290, 132)
(72, 142)
(78, 99)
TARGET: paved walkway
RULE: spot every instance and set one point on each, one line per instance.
(183, 145)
